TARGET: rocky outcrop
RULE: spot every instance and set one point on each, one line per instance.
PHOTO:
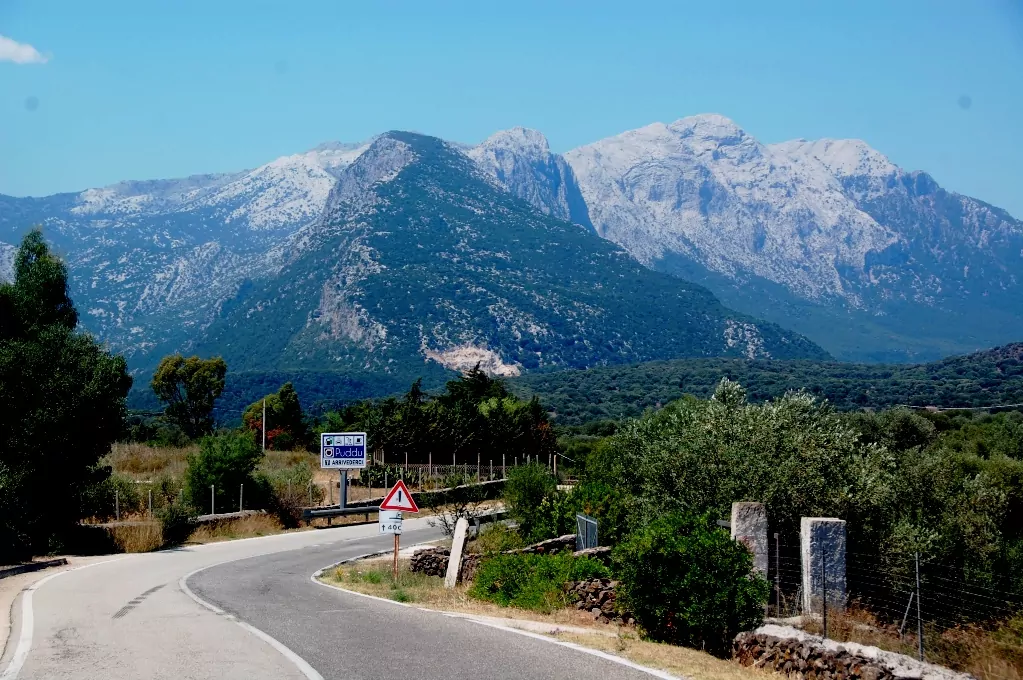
(797, 654)
(434, 561)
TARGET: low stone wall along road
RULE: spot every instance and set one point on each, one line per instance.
(249, 609)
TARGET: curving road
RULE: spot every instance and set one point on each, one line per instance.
(249, 609)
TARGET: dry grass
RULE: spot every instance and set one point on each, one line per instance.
(141, 461)
(245, 527)
(993, 653)
(138, 534)
(373, 577)
(681, 661)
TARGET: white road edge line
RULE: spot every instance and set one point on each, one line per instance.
(24, 645)
(664, 675)
(302, 665)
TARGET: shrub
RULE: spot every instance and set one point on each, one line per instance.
(688, 583)
(225, 461)
(525, 490)
(612, 509)
(531, 581)
(116, 491)
(178, 521)
(495, 538)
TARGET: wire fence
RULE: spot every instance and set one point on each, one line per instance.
(936, 613)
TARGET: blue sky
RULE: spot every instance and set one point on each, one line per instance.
(137, 90)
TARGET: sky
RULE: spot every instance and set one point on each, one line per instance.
(92, 93)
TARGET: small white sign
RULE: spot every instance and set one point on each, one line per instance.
(389, 522)
(343, 450)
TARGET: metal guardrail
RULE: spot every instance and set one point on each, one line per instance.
(313, 513)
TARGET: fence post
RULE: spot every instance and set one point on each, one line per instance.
(150, 502)
(117, 506)
(504, 468)
(213, 501)
(491, 475)
(429, 467)
(241, 498)
(477, 467)
(919, 621)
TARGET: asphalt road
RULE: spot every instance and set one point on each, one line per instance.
(249, 609)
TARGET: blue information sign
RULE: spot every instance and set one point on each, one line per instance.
(343, 450)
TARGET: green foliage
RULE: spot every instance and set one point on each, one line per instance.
(535, 582)
(99, 499)
(524, 493)
(688, 583)
(793, 454)
(190, 388)
(285, 492)
(615, 512)
(286, 424)
(474, 418)
(497, 537)
(178, 521)
(615, 392)
(62, 403)
(224, 461)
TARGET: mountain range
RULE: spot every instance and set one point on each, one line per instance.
(407, 254)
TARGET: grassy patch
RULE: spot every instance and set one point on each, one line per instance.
(137, 535)
(994, 652)
(681, 661)
(244, 527)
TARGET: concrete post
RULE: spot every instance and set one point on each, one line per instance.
(822, 553)
(749, 526)
(457, 546)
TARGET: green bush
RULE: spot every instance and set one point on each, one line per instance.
(224, 461)
(495, 538)
(525, 490)
(688, 583)
(116, 491)
(612, 509)
(178, 520)
(532, 581)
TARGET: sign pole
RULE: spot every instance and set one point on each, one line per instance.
(396, 539)
(343, 495)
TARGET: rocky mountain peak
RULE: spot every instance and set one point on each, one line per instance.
(842, 157)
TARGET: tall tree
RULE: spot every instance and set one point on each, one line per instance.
(190, 388)
(62, 403)
(286, 424)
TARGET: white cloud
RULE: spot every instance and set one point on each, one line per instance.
(19, 53)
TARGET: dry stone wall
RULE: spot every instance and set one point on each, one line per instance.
(802, 656)
(597, 596)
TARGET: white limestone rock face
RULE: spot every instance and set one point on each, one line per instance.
(703, 188)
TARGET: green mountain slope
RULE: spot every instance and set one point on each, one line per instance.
(985, 378)
(421, 265)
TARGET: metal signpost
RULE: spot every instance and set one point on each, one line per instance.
(397, 501)
(343, 451)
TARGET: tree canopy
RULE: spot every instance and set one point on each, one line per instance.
(190, 388)
(62, 403)
(286, 424)
(474, 416)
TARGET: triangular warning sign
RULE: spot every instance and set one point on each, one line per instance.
(398, 498)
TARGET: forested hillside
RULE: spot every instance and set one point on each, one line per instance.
(984, 378)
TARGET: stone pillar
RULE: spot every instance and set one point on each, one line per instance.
(749, 526)
(822, 549)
